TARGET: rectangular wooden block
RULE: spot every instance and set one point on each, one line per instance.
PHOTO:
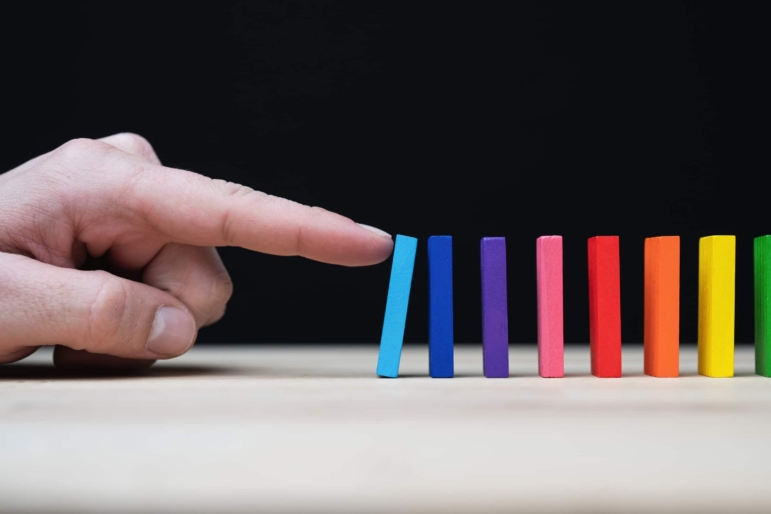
(605, 306)
(717, 272)
(551, 354)
(495, 317)
(396, 306)
(662, 306)
(440, 326)
(762, 251)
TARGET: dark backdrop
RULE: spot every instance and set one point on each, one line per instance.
(579, 119)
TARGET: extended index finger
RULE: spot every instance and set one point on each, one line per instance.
(185, 207)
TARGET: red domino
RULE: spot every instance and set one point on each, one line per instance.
(605, 306)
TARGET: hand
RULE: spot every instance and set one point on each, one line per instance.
(110, 255)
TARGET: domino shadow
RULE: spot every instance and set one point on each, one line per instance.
(426, 375)
(737, 374)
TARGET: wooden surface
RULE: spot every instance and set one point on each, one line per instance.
(303, 429)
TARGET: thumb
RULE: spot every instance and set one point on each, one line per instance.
(95, 311)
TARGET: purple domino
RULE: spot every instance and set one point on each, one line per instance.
(495, 317)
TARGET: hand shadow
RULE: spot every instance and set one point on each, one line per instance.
(22, 372)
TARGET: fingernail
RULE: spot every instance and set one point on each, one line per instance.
(375, 230)
(173, 332)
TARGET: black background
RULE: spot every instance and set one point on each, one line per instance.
(512, 119)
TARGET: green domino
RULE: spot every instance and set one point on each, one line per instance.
(762, 252)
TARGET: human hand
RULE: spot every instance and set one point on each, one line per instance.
(110, 255)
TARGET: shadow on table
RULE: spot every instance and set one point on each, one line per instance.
(17, 372)
(737, 374)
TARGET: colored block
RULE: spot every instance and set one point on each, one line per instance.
(605, 306)
(495, 317)
(396, 306)
(440, 315)
(548, 255)
(717, 272)
(662, 306)
(762, 251)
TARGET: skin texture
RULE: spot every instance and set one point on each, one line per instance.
(111, 256)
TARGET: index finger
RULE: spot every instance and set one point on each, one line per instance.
(185, 207)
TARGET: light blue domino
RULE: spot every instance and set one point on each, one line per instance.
(396, 306)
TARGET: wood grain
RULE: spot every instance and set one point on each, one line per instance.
(309, 429)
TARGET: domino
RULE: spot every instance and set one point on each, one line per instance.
(762, 254)
(551, 359)
(605, 306)
(396, 306)
(661, 322)
(717, 272)
(495, 318)
(440, 314)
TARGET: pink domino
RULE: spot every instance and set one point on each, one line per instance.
(551, 359)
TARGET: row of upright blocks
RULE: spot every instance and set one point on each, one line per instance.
(717, 263)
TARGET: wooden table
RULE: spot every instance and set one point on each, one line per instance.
(311, 429)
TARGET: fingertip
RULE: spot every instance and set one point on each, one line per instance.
(383, 248)
(173, 332)
(369, 246)
(375, 230)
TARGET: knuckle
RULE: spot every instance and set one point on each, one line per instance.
(213, 299)
(222, 288)
(218, 315)
(81, 147)
(107, 313)
(137, 144)
(232, 189)
(221, 293)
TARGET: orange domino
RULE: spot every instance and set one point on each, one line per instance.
(662, 306)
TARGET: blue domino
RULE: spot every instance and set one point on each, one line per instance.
(396, 306)
(440, 329)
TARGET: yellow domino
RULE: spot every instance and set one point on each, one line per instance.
(717, 272)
